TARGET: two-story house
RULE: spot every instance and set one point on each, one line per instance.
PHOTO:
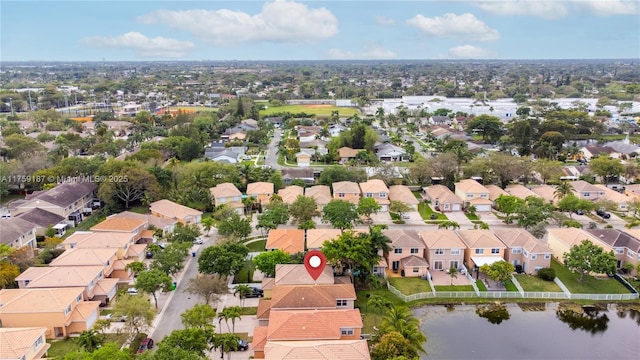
(347, 191)
(166, 225)
(227, 193)
(167, 209)
(520, 191)
(474, 194)
(586, 191)
(18, 233)
(524, 251)
(261, 191)
(378, 190)
(320, 193)
(482, 247)
(89, 257)
(495, 192)
(406, 254)
(442, 199)
(546, 192)
(621, 200)
(315, 238)
(290, 241)
(44, 219)
(124, 243)
(625, 244)
(347, 154)
(293, 274)
(96, 286)
(60, 310)
(129, 226)
(290, 193)
(444, 250)
(561, 240)
(23, 343)
(320, 349)
(403, 194)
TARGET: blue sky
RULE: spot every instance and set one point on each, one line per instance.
(318, 30)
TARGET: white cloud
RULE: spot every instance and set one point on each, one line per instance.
(469, 52)
(279, 21)
(543, 9)
(145, 47)
(386, 21)
(465, 26)
(371, 51)
(611, 7)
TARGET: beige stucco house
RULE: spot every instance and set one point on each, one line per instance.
(290, 193)
(443, 249)
(290, 241)
(472, 193)
(524, 250)
(482, 247)
(378, 190)
(561, 240)
(261, 191)
(442, 199)
(320, 193)
(406, 252)
(18, 233)
(227, 193)
(23, 343)
(167, 209)
(347, 191)
(403, 194)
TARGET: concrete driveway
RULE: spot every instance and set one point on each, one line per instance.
(461, 219)
(490, 218)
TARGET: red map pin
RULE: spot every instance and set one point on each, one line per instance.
(314, 262)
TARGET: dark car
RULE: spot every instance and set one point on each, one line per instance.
(145, 344)
(603, 214)
(243, 345)
(579, 212)
(255, 293)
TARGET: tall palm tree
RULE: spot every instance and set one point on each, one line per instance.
(378, 304)
(242, 291)
(563, 190)
(400, 319)
(232, 313)
(449, 224)
(90, 340)
(226, 343)
(453, 273)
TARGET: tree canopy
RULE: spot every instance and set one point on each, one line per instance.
(589, 257)
(225, 259)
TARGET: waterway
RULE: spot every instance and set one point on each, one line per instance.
(536, 332)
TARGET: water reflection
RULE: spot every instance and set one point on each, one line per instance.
(495, 313)
(633, 314)
(588, 319)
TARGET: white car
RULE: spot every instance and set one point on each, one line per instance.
(198, 241)
(132, 291)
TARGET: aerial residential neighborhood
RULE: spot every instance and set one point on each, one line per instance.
(415, 181)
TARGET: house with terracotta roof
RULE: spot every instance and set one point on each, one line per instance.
(546, 192)
(321, 296)
(524, 250)
(519, 191)
(290, 193)
(346, 154)
(561, 240)
(621, 200)
(406, 252)
(123, 243)
(60, 310)
(167, 209)
(625, 244)
(316, 350)
(43, 219)
(378, 190)
(443, 249)
(315, 238)
(303, 158)
(482, 247)
(442, 199)
(472, 193)
(167, 225)
(18, 233)
(130, 226)
(227, 193)
(586, 191)
(347, 191)
(96, 286)
(494, 192)
(88, 257)
(70, 200)
(403, 194)
(262, 191)
(320, 193)
(23, 343)
(295, 274)
(290, 241)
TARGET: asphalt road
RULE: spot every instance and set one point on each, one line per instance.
(272, 151)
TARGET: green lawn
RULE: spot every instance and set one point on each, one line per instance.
(251, 310)
(509, 286)
(257, 245)
(140, 209)
(472, 217)
(454, 288)
(534, 283)
(89, 222)
(318, 110)
(409, 286)
(481, 286)
(242, 277)
(426, 211)
(589, 285)
(5, 199)
(59, 348)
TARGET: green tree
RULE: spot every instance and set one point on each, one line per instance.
(589, 257)
(453, 274)
(508, 205)
(400, 319)
(199, 316)
(184, 233)
(242, 291)
(227, 343)
(209, 286)
(607, 168)
(498, 271)
(235, 227)
(490, 127)
(340, 214)
(448, 224)
(193, 339)
(534, 211)
(352, 251)
(90, 340)
(8, 274)
(399, 208)
(548, 169)
(266, 262)
(340, 173)
(136, 267)
(207, 224)
(378, 304)
(109, 351)
(170, 260)
(152, 281)
(368, 206)
(564, 189)
(224, 259)
(231, 313)
(393, 345)
(304, 209)
(571, 204)
(137, 312)
(129, 184)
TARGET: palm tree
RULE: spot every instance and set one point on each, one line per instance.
(400, 319)
(248, 203)
(232, 313)
(242, 291)
(481, 225)
(563, 190)
(226, 343)
(449, 224)
(90, 340)
(453, 272)
(378, 303)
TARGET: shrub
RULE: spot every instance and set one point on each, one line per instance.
(433, 216)
(609, 226)
(547, 274)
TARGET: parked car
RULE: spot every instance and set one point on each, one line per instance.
(579, 212)
(198, 241)
(603, 214)
(145, 344)
(243, 345)
(255, 293)
(132, 291)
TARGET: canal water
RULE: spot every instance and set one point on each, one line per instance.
(535, 331)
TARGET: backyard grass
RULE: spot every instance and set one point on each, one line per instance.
(509, 286)
(257, 246)
(318, 110)
(535, 284)
(89, 222)
(140, 209)
(454, 288)
(59, 348)
(481, 286)
(589, 284)
(5, 199)
(410, 286)
(426, 212)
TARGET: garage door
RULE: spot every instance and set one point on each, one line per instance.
(456, 207)
(483, 208)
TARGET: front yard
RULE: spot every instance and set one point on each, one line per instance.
(59, 348)
(425, 211)
(589, 285)
(410, 286)
(535, 284)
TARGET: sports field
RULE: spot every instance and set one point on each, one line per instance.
(318, 110)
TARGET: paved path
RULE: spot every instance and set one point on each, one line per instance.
(461, 219)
